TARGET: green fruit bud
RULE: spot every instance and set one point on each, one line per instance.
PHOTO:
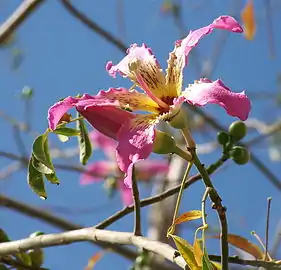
(163, 143)
(37, 233)
(240, 155)
(238, 130)
(179, 120)
(223, 137)
(37, 257)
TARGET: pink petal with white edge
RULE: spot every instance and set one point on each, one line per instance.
(147, 169)
(183, 47)
(206, 91)
(97, 171)
(135, 143)
(126, 193)
(135, 52)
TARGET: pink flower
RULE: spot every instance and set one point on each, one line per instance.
(162, 98)
(100, 170)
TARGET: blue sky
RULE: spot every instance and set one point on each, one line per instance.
(62, 57)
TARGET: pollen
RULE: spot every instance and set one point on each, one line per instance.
(134, 65)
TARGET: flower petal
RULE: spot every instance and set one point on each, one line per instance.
(102, 141)
(147, 169)
(126, 193)
(146, 73)
(56, 112)
(135, 143)
(206, 91)
(106, 119)
(97, 171)
(132, 100)
(179, 56)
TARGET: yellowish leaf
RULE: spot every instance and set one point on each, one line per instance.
(244, 244)
(216, 265)
(188, 216)
(198, 253)
(248, 19)
(93, 260)
(186, 251)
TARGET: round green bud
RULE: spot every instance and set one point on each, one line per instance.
(238, 130)
(223, 137)
(37, 233)
(37, 257)
(179, 120)
(163, 143)
(240, 155)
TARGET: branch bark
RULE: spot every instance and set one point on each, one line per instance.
(18, 17)
(93, 235)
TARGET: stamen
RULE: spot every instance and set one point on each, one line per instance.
(134, 67)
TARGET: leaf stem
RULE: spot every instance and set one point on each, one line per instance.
(221, 210)
(214, 196)
(203, 209)
(137, 226)
(188, 168)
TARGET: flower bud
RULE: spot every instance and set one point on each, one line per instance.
(240, 155)
(163, 143)
(223, 137)
(238, 130)
(179, 120)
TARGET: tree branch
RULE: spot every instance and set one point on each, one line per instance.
(94, 26)
(237, 260)
(17, 17)
(63, 224)
(93, 235)
(137, 210)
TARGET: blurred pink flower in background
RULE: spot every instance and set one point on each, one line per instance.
(108, 169)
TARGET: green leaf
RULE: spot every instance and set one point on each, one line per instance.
(67, 131)
(24, 258)
(52, 178)
(63, 138)
(84, 142)
(37, 257)
(3, 267)
(3, 236)
(206, 263)
(35, 180)
(186, 251)
(40, 167)
(41, 151)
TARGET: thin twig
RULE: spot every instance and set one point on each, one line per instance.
(18, 16)
(94, 26)
(221, 210)
(269, 28)
(237, 260)
(64, 224)
(137, 210)
(267, 228)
